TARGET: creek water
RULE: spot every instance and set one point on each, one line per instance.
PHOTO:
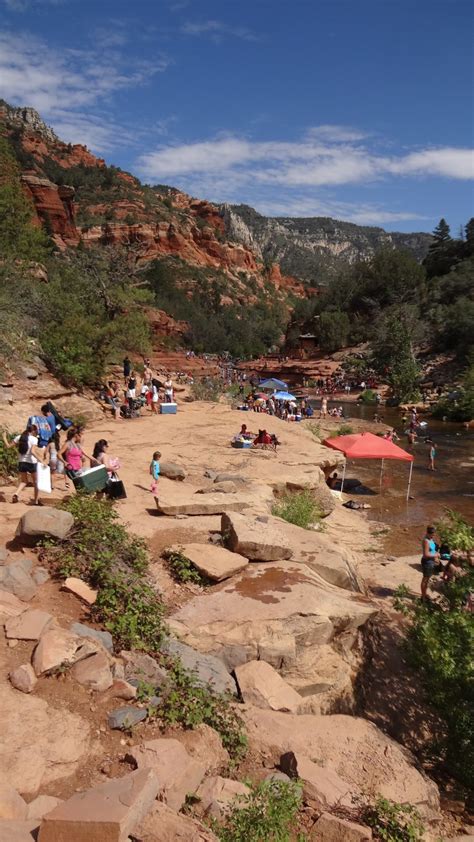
(450, 486)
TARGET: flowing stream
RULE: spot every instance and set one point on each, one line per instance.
(450, 486)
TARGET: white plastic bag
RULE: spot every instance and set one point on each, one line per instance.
(43, 478)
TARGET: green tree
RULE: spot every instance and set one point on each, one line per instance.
(393, 355)
(333, 331)
(441, 234)
(20, 239)
(469, 232)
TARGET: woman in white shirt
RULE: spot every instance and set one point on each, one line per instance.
(29, 454)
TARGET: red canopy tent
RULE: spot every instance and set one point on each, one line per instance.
(369, 446)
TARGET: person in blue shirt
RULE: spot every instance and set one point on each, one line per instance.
(429, 559)
(155, 474)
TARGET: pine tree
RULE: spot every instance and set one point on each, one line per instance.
(469, 229)
(441, 234)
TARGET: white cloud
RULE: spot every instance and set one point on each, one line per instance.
(449, 162)
(335, 133)
(23, 5)
(217, 30)
(62, 84)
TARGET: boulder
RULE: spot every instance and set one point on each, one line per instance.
(40, 575)
(333, 829)
(121, 689)
(103, 637)
(59, 646)
(107, 813)
(258, 540)
(261, 685)
(207, 669)
(172, 471)
(217, 795)
(225, 487)
(205, 745)
(142, 667)
(23, 678)
(179, 773)
(41, 805)
(16, 578)
(323, 678)
(16, 830)
(42, 522)
(94, 672)
(29, 625)
(80, 589)
(322, 787)
(269, 613)
(10, 606)
(12, 805)
(215, 563)
(42, 744)
(364, 757)
(126, 717)
(184, 501)
(164, 825)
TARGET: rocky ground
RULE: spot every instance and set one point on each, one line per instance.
(296, 624)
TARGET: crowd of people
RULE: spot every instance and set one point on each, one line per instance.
(137, 392)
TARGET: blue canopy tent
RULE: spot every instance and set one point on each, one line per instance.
(283, 396)
(272, 383)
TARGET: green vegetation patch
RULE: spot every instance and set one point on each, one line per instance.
(392, 822)
(267, 814)
(298, 507)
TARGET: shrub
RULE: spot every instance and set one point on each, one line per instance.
(8, 457)
(440, 644)
(298, 507)
(207, 389)
(315, 428)
(455, 531)
(101, 552)
(182, 569)
(344, 430)
(186, 702)
(393, 822)
(368, 396)
(266, 814)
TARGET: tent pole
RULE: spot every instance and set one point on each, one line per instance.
(343, 475)
(409, 479)
(381, 472)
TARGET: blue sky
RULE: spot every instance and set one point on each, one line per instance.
(357, 109)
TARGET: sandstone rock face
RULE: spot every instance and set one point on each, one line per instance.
(215, 563)
(12, 805)
(44, 522)
(260, 685)
(80, 589)
(42, 744)
(57, 647)
(17, 830)
(186, 502)
(107, 813)
(269, 613)
(333, 829)
(323, 678)
(217, 795)
(23, 678)
(164, 825)
(30, 625)
(207, 669)
(205, 745)
(178, 772)
(94, 672)
(353, 748)
(55, 204)
(322, 787)
(255, 539)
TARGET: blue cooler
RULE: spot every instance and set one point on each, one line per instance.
(242, 445)
(168, 408)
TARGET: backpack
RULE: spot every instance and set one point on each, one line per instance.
(45, 432)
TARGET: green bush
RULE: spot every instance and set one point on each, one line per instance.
(392, 822)
(100, 551)
(184, 701)
(207, 389)
(455, 531)
(315, 428)
(266, 814)
(182, 569)
(298, 507)
(344, 430)
(440, 644)
(368, 396)
(8, 457)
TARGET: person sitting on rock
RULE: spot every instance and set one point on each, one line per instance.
(263, 438)
(244, 433)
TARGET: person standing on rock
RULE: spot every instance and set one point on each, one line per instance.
(324, 407)
(428, 559)
(155, 475)
(29, 454)
(127, 367)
